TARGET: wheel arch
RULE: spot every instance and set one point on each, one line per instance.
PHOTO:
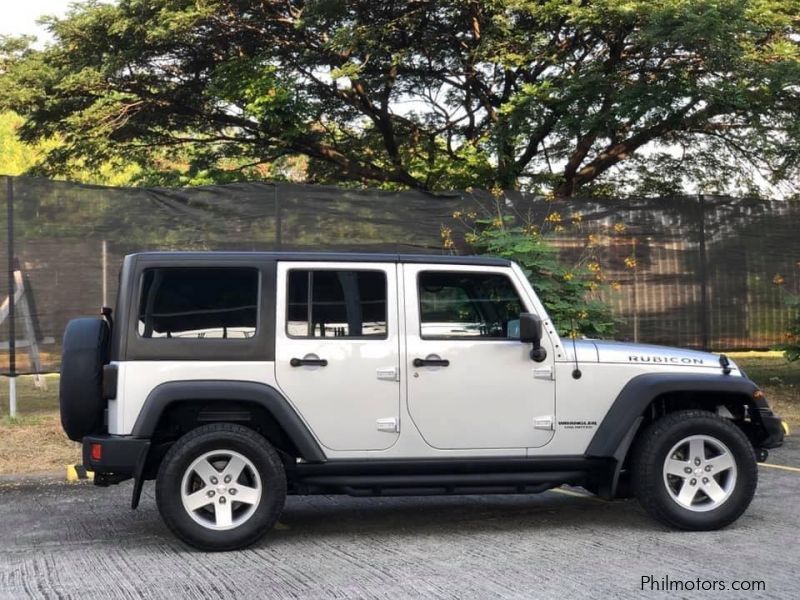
(227, 396)
(647, 396)
(643, 393)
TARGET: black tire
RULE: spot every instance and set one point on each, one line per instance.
(84, 352)
(211, 438)
(650, 454)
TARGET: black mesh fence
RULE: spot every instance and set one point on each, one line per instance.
(687, 271)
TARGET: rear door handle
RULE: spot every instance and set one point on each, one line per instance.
(431, 362)
(308, 362)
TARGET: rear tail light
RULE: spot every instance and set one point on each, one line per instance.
(96, 452)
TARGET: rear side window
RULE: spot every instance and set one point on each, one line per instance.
(336, 303)
(468, 306)
(199, 303)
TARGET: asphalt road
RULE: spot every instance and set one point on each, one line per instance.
(78, 541)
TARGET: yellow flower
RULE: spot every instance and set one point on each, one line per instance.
(630, 262)
(779, 279)
(594, 267)
(559, 229)
(554, 217)
(497, 191)
(619, 227)
(447, 238)
(583, 315)
(576, 218)
(497, 223)
(568, 276)
(472, 215)
(593, 286)
(457, 214)
(616, 285)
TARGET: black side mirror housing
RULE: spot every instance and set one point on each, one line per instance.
(530, 332)
(530, 328)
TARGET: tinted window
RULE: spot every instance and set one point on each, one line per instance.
(199, 303)
(336, 304)
(468, 305)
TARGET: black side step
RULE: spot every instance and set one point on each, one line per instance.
(395, 478)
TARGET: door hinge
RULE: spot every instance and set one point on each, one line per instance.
(543, 373)
(389, 424)
(389, 373)
(545, 423)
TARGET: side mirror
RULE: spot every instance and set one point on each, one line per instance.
(530, 332)
(530, 328)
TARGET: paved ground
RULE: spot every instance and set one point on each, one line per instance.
(81, 541)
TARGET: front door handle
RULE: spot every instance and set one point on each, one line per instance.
(431, 361)
(309, 361)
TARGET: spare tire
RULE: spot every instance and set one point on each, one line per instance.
(84, 352)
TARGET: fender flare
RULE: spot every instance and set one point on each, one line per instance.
(623, 419)
(172, 392)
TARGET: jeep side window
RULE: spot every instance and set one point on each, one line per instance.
(456, 305)
(198, 302)
(336, 303)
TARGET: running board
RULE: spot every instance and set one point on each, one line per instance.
(435, 484)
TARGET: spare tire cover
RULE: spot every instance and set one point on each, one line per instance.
(84, 352)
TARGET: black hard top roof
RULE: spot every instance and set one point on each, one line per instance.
(325, 257)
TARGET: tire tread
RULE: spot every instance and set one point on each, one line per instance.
(170, 507)
(647, 470)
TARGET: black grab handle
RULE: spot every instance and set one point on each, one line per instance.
(308, 362)
(431, 362)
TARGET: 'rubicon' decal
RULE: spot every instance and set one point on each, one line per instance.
(680, 360)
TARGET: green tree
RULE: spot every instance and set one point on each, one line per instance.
(569, 289)
(20, 158)
(555, 96)
(17, 158)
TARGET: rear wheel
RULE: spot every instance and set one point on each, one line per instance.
(694, 470)
(221, 487)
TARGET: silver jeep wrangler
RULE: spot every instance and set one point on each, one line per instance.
(234, 379)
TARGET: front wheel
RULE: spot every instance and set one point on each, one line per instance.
(694, 470)
(221, 487)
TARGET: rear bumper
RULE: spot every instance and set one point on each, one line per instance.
(119, 454)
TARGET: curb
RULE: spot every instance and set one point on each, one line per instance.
(76, 473)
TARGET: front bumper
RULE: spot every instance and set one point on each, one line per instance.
(119, 455)
(771, 424)
(773, 427)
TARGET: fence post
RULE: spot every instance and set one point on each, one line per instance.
(277, 217)
(105, 272)
(705, 315)
(12, 334)
(635, 291)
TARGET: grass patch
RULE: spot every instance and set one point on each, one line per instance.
(780, 381)
(33, 441)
